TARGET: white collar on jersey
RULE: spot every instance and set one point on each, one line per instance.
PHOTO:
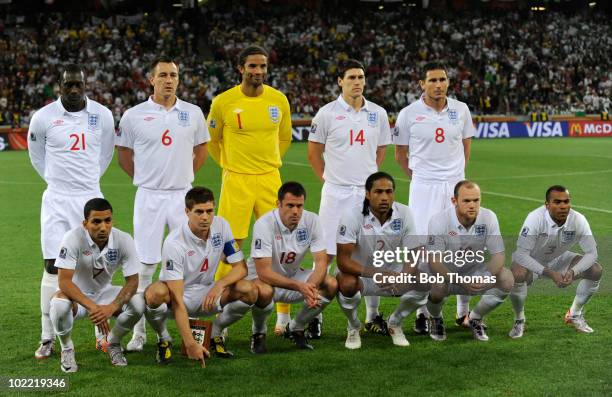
(92, 244)
(392, 211)
(192, 236)
(429, 108)
(178, 105)
(458, 224)
(348, 108)
(88, 106)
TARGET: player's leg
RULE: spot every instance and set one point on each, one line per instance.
(435, 302)
(349, 296)
(62, 312)
(587, 287)
(518, 295)
(157, 299)
(489, 302)
(149, 225)
(261, 310)
(234, 302)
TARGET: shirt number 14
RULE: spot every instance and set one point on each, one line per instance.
(359, 137)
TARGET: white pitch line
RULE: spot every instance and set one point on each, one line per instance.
(531, 199)
(544, 175)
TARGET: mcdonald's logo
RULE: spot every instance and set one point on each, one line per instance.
(575, 129)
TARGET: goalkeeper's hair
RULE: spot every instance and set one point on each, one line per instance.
(96, 204)
(198, 195)
(250, 50)
(294, 188)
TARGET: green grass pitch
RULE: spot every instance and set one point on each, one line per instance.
(552, 359)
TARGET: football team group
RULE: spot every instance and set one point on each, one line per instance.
(163, 142)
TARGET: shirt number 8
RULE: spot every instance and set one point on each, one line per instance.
(439, 135)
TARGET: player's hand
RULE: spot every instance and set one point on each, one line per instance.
(557, 278)
(196, 351)
(100, 313)
(211, 298)
(310, 292)
(568, 277)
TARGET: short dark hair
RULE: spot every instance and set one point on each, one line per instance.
(459, 185)
(343, 66)
(198, 195)
(555, 188)
(294, 188)
(71, 68)
(161, 59)
(429, 66)
(250, 50)
(96, 204)
(370, 183)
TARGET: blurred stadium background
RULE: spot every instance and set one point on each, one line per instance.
(538, 70)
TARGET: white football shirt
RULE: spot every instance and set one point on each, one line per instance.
(163, 142)
(545, 241)
(195, 261)
(368, 235)
(94, 269)
(287, 248)
(447, 234)
(351, 139)
(71, 150)
(435, 140)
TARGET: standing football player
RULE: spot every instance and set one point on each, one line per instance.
(543, 250)
(432, 140)
(347, 143)
(161, 144)
(70, 143)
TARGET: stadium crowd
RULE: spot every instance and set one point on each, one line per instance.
(507, 63)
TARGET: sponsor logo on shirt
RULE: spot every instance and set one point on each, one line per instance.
(217, 241)
(420, 118)
(258, 244)
(525, 231)
(372, 119)
(480, 230)
(278, 237)
(190, 253)
(149, 118)
(340, 117)
(567, 236)
(58, 122)
(274, 114)
(87, 252)
(112, 255)
(63, 253)
(452, 233)
(169, 264)
(367, 226)
(183, 118)
(396, 225)
(93, 120)
(302, 236)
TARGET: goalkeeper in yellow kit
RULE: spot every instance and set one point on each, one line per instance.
(250, 130)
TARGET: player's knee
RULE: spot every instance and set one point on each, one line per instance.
(156, 294)
(595, 272)
(348, 284)
(61, 295)
(248, 292)
(50, 266)
(505, 280)
(136, 305)
(265, 293)
(438, 292)
(330, 287)
(519, 273)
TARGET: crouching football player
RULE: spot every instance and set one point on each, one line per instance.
(88, 258)
(281, 239)
(543, 250)
(186, 286)
(383, 225)
(458, 237)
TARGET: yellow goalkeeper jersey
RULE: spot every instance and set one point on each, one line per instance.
(249, 135)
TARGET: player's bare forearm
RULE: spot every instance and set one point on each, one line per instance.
(439, 268)
(496, 263)
(125, 156)
(238, 272)
(126, 293)
(72, 291)
(347, 265)
(380, 155)
(315, 158)
(200, 153)
(176, 289)
(467, 145)
(269, 276)
(401, 157)
(320, 268)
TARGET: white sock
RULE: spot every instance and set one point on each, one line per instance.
(435, 308)
(132, 312)
(231, 313)
(48, 288)
(423, 310)
(408, 303)
(157, 320)
(306, 314)
(518, 295)
(463, 305)
(282, 318)
(372, 303)
(260, 318)
(584, 291)
(488, 302)
(145, 278)
(349, 307)
(60, 312)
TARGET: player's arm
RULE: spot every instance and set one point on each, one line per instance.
(320, 268)
(215, 129)
(176, 289)
(384, 139)
(589, 247)
(496, 263)
(200, 152)
(37, 138)
(380, 155)
(315, 158)
(125, 156)
(104, 312)
(107, 146)
(347, 264)
(467, 133)
(284, 130)
(269, 276)
(467, 144)
(401, 156)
